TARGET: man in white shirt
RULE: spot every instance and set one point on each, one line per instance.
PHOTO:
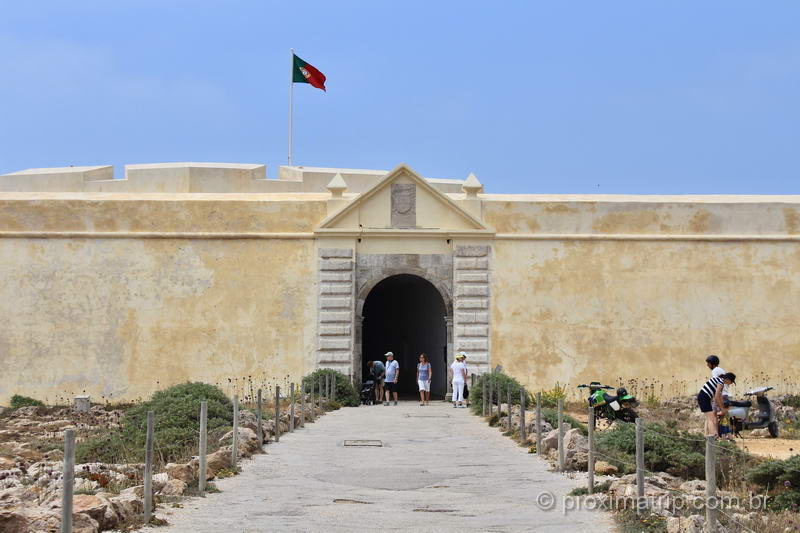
(392, 375)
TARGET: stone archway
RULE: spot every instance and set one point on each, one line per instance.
(406, 314)
(435, 270)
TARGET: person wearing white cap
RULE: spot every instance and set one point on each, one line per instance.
(392, 375)
(459, 379)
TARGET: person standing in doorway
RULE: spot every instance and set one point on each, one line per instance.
(377, 370)
(459, 379)
(392, 375)
(424, 376)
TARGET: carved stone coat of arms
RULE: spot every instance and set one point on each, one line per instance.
(404, 205)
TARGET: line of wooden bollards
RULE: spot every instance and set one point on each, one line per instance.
(325, 392)
(492, 396)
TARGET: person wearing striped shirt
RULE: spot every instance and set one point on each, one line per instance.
(712, 390)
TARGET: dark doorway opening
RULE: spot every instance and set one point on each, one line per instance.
(405, 315)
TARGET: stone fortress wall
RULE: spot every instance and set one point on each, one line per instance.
(194, 178)
(189, 271)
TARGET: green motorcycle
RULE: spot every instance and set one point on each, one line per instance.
(611, 407)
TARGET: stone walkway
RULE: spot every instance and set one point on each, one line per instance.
(440, 469)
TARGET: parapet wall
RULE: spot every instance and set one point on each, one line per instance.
(195, 178)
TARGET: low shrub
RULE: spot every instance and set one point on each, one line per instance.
(791, 400)
(774, 473)
(785, 500)
(551, 417)
(598, 489)
(493, 379)
(665, 450)
(550, 397)
(345, 392)
(176, 426)
(629, 521)
(18, 401)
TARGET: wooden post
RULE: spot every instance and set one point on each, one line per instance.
(321, 381)
(508, 393)
(499, 402)
(68, 481)
(333, 387)
(590, 467)
(277, 413)
(148, 468)
(259, 417)
(328, 387)
(640, 502)
(490, 394)
(522, 398)
(302, 404)
(711, 485)
(561, 450)
(484, 380)
(291, 407)
(471, 387)
(235, 440)
(202, 472)
(539, 450)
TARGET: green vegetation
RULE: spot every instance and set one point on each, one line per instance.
(630, 522)
(176, 429)
(550, 397)
(782, 479)
(345, 392)
(18, 401)
(769, 474)
(584, 491)
(551, 417)
(665, 450)
(791, 400)
(494, 379)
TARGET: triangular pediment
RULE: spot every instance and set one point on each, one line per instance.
(402, 202)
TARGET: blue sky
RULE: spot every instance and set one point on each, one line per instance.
(660, 97)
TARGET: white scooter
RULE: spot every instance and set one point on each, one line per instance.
(740, 413)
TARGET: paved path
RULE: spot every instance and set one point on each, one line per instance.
(441, 469)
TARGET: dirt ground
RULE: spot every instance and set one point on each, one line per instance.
(767, 447)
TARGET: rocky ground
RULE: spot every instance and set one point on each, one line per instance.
(107, 496)
(676, 499)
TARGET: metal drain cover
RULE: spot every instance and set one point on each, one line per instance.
(364, 442)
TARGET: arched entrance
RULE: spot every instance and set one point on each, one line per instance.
(405, 314)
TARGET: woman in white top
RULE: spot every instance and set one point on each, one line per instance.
(459, 378)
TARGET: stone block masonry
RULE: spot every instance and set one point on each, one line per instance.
(335, 309)
(471, 271)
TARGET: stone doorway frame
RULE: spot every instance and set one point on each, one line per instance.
(371, 269)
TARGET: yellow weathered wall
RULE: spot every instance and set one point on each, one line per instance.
(646, 311)
(122, 317)
(120, 294)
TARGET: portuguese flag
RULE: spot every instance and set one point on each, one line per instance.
(305, 73)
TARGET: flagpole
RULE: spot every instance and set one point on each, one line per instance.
(291, 90)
